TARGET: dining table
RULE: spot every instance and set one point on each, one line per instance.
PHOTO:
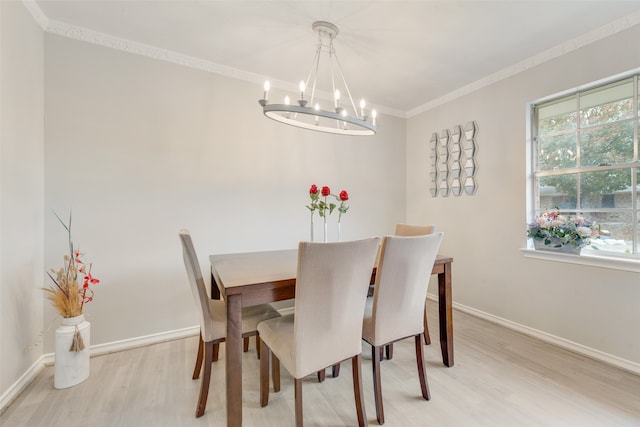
(251, 278)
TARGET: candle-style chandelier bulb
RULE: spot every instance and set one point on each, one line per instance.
(302, 101)
(267, 86)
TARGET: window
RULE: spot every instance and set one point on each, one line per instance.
(585, 160)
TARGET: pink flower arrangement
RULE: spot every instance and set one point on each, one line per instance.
(558, 230)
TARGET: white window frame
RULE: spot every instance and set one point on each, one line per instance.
(611, 260)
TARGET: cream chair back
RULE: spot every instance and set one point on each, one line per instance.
(331, 290)
(414, 230)
(410, 230)
(401, 285)
(198, 287)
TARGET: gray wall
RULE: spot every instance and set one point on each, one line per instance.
(140, 148)
(586, 306)
(21, 192)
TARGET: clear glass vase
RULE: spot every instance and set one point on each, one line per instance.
(311, 240)
(325, 229)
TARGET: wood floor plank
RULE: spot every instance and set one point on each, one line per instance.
(501, 378)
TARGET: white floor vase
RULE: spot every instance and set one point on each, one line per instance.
(71, 367)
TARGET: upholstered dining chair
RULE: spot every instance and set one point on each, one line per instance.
(401, 230)
(396, 310)
(326, 326)
(414, 230)
(212, 314)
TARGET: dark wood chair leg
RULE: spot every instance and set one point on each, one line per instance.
(258, 346)
(335, 370)
(206, 379)
(427, 338)
(245, 344)
(321, 375)
(356, 369)
(421, 372)
(216, 351)
(389, 351)
(298, 397)
(275, 374)
(377, 384)
(196, 369)
(264, 375)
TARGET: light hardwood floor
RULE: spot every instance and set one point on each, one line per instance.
(501, 378)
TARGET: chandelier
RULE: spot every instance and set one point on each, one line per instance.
(343, 118)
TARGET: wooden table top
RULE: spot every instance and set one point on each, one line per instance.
(232, 271)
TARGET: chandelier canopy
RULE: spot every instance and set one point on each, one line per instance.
(343, 118)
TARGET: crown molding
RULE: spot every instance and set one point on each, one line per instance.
(600, 33)
(106, 40)
(136, 48)
(37, 13)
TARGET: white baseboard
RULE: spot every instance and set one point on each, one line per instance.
(112, 347)
(14, 391)
(96, 350)
(598, 355)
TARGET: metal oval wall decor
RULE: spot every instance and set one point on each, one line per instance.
(453, 162)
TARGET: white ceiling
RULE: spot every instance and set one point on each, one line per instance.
(400, 55)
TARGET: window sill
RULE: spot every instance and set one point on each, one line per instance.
(592, 260)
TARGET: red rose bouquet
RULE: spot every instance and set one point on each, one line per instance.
(322, 205)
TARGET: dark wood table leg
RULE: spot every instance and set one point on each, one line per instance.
(446, 315)
(234, 360)
(215, 291)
